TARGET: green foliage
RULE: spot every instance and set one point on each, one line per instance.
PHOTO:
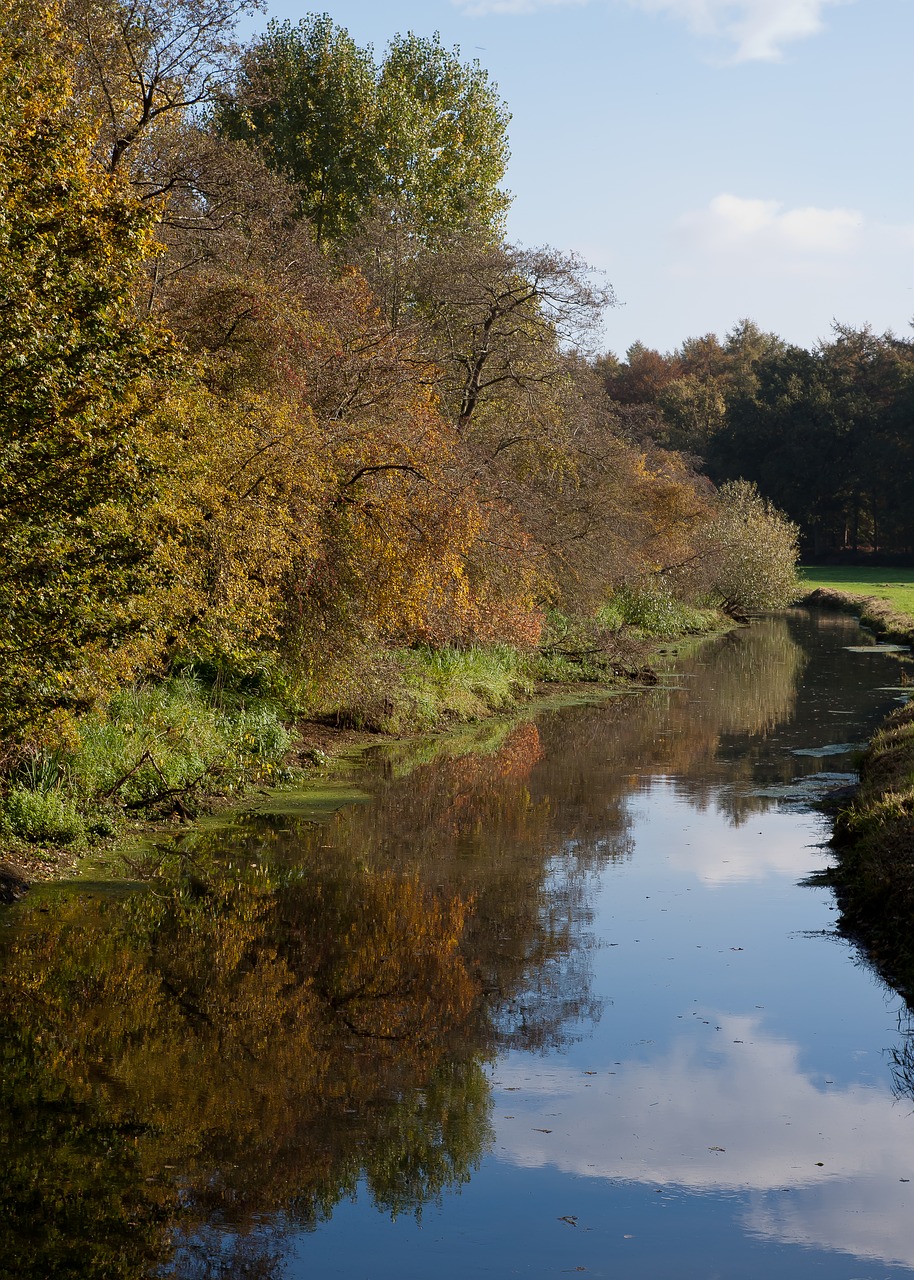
(655, 612)
(152, 748)
(443, 135)
(421, 137)
(464, 684)
(42, 817)
(748, 553)
(307, 95)
(174, 735)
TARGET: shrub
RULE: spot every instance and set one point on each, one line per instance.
(747, 554)
(43, 817)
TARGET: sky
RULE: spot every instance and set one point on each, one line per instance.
(716, 159)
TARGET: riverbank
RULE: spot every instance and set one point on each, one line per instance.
(881, 615)
(159, 757)
(874, 835)
(874, 843)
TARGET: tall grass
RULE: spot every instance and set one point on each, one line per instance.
(153, 745)
(655, 613)
(462, 683)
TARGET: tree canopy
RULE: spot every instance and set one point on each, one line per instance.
(422, 136)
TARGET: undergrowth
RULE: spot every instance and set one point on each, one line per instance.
(152, 751)
(654, 612)
(169, 748)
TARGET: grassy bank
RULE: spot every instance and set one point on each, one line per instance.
(874, 841)
(168, 751)
(883, 599)
(884, 617)
(874, 835)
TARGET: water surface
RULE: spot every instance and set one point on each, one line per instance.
(551, 998)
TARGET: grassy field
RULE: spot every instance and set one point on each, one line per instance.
(895, 585)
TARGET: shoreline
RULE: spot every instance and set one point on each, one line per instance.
(317, 746)
(873, 834)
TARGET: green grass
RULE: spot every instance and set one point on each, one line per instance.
(655, 613)
(462, 683)
(152, 745)
(894, 585)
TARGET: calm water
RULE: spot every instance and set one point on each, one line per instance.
(549, 999)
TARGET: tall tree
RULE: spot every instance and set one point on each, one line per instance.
(307, 94)
(443, 136)
(422, 137)
(77, 461)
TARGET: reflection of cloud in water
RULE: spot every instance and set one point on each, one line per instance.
(726, 1111)
(775, 843)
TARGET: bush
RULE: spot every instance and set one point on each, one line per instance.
(747, 554)
(42, 817)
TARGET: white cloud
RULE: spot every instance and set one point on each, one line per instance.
(734, 225)
(757, 29)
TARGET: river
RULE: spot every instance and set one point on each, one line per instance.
(537, 999)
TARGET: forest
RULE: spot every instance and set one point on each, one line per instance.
(826, 435)
(290, 428)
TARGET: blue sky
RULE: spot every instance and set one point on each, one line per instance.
(716, 158)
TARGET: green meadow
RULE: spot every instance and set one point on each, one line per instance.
(895, 585)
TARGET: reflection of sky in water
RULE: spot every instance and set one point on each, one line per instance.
(730, 1023)
(729, 1109)
(730, 1115)
(737, 1050)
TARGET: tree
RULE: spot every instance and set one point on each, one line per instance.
(79, 453)
(422, 138)
(499, 320)
(141, 66)
(747, 553)
(443, 131)
(307, 95)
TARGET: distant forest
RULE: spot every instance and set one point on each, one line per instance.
(827, 435)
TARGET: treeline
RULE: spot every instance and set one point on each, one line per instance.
(278, 395)
(827, 434)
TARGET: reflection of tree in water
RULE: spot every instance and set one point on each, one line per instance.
(233, 1045)
(740, 686)
(214, 1050)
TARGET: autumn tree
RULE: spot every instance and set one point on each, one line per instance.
(141, 68)
(78, 480)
